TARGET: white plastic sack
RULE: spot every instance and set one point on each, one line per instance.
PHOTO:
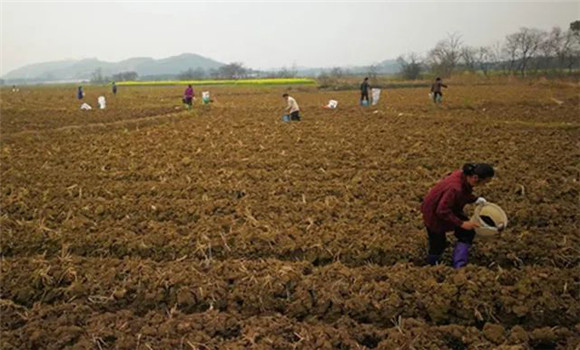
(375, 95)
(332, 104)
(85, 107)
(205, 97)
(102, 102)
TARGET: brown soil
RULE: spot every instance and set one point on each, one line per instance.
(147, 227)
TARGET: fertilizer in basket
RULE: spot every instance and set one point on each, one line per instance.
(491, 218)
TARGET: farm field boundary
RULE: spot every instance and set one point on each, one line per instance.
(244, 82)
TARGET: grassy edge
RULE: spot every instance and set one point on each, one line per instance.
(246, 82)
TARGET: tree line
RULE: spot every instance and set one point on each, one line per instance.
(235, 70)
(527, 50)
(98, 77)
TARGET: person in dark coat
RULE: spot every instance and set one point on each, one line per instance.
(364, 91)
(436, 90)
(442, 211)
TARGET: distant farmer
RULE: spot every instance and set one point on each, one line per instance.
(80, 93)
(292, 108)
(188, 96)
(442, 211)
(436, 90)
(364, 91)
(114, 87)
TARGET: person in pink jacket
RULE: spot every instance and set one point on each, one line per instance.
(188, 96)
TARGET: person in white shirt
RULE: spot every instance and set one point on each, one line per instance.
(292, 108)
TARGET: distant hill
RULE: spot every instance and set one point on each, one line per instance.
(74, 70)
(153, 69)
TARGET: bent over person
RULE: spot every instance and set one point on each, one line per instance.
(442, 211)
(292, 108)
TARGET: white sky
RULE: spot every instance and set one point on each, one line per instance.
(261, 35)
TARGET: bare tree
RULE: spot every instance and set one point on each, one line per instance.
(214, 73)
(125, 76)
(445, 56)
(524, 46)
(549, 47)
(570, 51)
(411, 66)
(190, 74)
(285, 73)
(510, 51)
(485, 59)
(469, 57)
(325, 80)
(337, 72)
(97, 76)
(373, 71)
(293, 70)
(497, 56)
(199, 73)
(233, 70)
(568, 48)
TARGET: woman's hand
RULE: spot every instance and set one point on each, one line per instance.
(469, 225)
(480, 201)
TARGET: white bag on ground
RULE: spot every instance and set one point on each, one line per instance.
(102, 102)
(85, 107)
(205, 97)
(332, 104)
(375, 95)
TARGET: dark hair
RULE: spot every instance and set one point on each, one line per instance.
(482, 170)
(189, 85)
(367, 78)
(437, 78)
(285, 95)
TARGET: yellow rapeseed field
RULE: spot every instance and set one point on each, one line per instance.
(246, 82)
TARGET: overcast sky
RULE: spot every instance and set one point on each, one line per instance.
(261, 35)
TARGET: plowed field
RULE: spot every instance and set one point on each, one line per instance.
(144, 226)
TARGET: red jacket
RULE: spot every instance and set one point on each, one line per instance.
(443, 207)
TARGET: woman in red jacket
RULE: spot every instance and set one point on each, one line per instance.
(443, 211)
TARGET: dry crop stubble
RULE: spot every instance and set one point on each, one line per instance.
(226, 228)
